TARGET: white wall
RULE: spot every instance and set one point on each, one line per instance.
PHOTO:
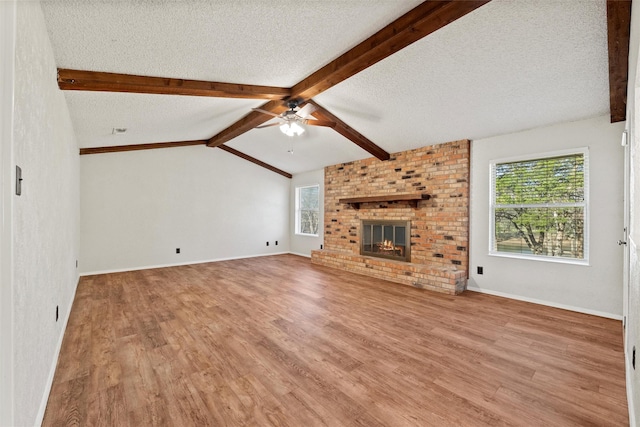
(45, 217)
(7, 60)
(633, 314)
(596, 288)
(303, 245)
(138, 207)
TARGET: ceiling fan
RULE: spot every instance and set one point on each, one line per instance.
(291, 120)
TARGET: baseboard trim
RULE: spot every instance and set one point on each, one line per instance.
(54, 365)
(299, 254)
(149, 267)
(547, 303)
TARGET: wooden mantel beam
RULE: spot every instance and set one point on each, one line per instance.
(129, 83)
(419, 22)
(618, 32)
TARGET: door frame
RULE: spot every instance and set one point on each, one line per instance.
(626, 270)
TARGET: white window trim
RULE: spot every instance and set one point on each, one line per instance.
(492, 206)
(297, 210)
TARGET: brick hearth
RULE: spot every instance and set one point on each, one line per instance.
(439, 226)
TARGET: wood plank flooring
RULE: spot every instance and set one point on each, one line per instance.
(277, 341)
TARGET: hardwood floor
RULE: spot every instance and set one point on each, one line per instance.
(278, 341)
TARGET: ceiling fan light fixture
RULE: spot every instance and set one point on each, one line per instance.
(292, 129)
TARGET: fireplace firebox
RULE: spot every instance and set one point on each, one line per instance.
(386, 239)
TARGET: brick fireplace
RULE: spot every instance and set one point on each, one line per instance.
(427, 188)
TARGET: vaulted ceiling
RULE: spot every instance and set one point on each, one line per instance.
(503, 67)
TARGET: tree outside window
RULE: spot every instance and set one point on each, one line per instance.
(539, 207)
(308, 210)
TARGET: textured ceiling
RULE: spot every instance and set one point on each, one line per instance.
(508, 66)
(272, 42)
(150, 118)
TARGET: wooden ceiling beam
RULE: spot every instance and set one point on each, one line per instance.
(348, 132)
(136, 147)
(618, 32)
(152, 146)
(412, 26)
(129, 83)
(248, 122)
(254, 160)
(419, 22)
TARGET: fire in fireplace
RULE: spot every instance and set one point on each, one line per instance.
(386, 239)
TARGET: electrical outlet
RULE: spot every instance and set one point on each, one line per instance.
(633, 357)
(321, 246)
(56, 313)
(480, 270)
(177, 250)
(267, 243)
(276, 243)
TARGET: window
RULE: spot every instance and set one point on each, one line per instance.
(307, 210)
(539, 207)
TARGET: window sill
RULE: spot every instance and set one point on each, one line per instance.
(307, 235)
(583, 262)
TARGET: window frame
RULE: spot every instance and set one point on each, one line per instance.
(585, 204)
(298, 221)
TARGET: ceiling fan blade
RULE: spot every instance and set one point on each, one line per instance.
(317, 122)
(268, 126)
(306, 111)
(266, 112)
